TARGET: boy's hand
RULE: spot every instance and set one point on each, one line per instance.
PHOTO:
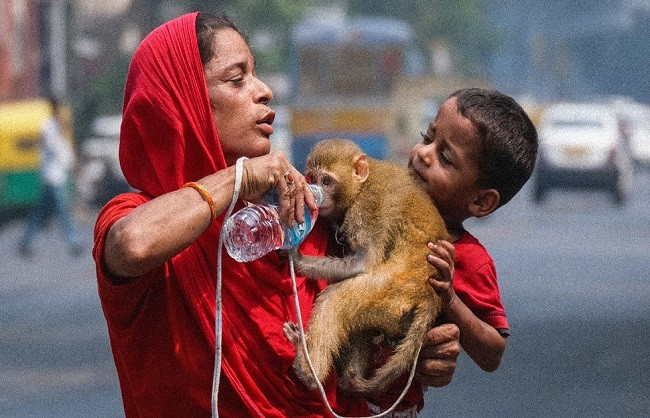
(437, 361)
(442, 257)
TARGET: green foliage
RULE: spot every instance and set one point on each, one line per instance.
(102, 96)
(275, 19)
(462, 25)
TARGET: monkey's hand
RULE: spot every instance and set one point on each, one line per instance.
(332, 269)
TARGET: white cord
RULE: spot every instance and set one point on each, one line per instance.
(311, 366)
(216, 375)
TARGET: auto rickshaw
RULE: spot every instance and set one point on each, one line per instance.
(20, 131)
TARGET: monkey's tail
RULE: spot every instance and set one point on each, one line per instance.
(404, 357)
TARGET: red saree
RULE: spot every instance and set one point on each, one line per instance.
(161, 325)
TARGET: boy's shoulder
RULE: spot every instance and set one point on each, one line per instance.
(469, 251)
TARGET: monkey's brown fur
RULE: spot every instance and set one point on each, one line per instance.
(387, 217)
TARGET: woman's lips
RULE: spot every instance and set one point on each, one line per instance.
(266, 123)
(267, 129)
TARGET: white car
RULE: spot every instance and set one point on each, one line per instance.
(581, 146)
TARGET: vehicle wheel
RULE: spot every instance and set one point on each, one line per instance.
(619, 188)
(618, 195)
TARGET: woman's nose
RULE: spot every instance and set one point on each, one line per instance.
(264, 93)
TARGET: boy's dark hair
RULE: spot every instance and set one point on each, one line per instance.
(508, 139)
(206, 25)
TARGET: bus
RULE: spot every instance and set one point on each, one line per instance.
(342, 74)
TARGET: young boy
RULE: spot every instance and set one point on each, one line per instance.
(474, 157)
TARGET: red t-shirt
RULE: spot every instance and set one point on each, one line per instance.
(475, 283)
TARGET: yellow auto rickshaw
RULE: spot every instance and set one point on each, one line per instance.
(20, 131)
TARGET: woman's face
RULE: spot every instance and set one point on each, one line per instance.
(239, 100)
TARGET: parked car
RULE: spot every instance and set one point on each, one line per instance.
(100, 177)
(581, 146)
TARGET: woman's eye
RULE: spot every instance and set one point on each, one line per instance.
(425, 138)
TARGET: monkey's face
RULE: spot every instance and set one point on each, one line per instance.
(329, 183)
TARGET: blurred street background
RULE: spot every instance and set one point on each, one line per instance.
(572, 249)
(573, 275)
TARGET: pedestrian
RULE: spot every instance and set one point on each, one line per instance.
(192, 107)
(56, 161)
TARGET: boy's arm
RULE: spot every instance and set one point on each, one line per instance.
(481, 341)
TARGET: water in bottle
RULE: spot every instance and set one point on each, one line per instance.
(256, 230)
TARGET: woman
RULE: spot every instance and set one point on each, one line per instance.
(193, 105)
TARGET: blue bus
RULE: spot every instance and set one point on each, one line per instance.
(342, 74)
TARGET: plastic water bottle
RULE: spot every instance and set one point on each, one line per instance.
(256, 230)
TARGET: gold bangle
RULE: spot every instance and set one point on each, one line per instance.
(205, 196)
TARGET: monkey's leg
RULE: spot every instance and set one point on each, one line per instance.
(404, 356)
(292, 332)
(330, 325)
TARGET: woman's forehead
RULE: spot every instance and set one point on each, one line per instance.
(230, 47)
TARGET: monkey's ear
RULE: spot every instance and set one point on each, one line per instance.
(361, 167)
(485, 202)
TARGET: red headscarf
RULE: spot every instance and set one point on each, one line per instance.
(162, 324)
(168, 134)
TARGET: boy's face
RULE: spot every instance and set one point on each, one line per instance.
(446, 159)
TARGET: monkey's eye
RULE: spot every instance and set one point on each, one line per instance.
(327, 181)
(444, 158)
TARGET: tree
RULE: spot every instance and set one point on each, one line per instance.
(463, 26)
(269, 24)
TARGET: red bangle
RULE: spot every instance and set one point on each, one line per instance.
(205, 196)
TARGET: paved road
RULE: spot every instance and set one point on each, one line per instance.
(574, 274)
(55, 358)
(575, 277)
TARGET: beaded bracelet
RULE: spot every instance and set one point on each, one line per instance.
(206, 196)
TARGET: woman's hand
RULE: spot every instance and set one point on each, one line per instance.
(148, 236)
(275, 171)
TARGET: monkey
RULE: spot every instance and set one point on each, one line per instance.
(381, 289)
